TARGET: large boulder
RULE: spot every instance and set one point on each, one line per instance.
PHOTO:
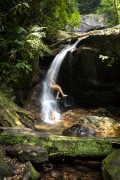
(91, 22)
(11, 115)
(35, 154)
(78, 130)
(91, 73)
(111, 166)
(91, 125)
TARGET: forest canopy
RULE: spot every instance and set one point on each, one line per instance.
(25, 26)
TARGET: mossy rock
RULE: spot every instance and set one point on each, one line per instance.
(30, 172)
(11, 115)
(111, 166)
(32, 153)
(56, 146)
(5, 170)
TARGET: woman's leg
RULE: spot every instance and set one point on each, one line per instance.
(57, 97)
(58, 88)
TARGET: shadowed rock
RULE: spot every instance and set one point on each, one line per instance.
(79, 130)
(111, 166)
(35, 154)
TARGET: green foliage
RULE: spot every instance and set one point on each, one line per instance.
(21, 40)
(108, 60)
(117, 7)
(18, 51)
(24, 26)
(73, 20)
(3, 44)
(108, 7)
(88, 6)
(103, 57)
(56, 16)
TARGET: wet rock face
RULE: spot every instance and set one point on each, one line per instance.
(100, 121)
(78, 130)
(85, 78)
(83, 70)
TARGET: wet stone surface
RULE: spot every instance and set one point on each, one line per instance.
(104, 121)
(78, 130)
(99, 120)
(56, 169)
(79, 122)
(81, 170)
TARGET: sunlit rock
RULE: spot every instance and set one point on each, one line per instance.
(91, 22)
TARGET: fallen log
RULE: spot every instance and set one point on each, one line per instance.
(98, 147)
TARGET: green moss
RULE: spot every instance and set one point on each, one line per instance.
(67, 146)
(34, 175)
(111, 166)
(5, 170)
(12, 115)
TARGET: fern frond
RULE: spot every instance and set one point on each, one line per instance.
(21, 30)
(3, 43)
(37, 28)
(36, 35)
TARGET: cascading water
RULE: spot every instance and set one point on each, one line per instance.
(50, 111)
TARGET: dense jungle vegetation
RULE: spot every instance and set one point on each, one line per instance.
(27, 27)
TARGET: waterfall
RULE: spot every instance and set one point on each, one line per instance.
(50, 112)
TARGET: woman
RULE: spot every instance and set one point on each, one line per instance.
(55, 86)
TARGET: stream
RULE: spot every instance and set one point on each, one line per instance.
(71, 169)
